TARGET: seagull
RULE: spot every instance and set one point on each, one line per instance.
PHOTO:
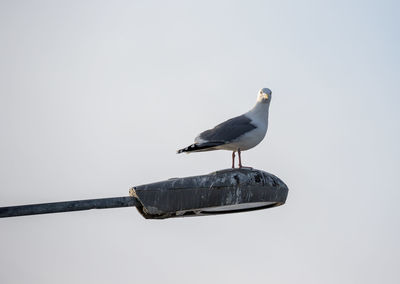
(237, 134)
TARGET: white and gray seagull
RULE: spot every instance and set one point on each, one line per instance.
(237, 134)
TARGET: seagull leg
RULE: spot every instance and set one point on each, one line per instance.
(240, 162)
(240, 159)
(233, 159)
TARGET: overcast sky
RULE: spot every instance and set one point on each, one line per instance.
(96, 96)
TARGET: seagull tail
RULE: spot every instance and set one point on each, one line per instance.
(200, 147)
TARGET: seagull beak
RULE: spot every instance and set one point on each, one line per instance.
(266, 96)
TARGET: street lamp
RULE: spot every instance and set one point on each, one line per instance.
(221, 192)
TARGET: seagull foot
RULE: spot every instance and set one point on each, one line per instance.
(243, 167)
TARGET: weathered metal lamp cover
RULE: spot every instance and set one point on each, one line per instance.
(225, 191)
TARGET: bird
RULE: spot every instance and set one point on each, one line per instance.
(237, 134)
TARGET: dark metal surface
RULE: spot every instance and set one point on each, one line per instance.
(236, 189)
(66, 206)
(221, 192)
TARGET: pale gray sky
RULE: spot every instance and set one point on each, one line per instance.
(96, 96)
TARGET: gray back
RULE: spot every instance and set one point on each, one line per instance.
(228, 130)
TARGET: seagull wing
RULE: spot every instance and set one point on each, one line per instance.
(227, 131)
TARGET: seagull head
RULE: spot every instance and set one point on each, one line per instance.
(264, 95)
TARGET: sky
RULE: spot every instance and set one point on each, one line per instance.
(97, 96)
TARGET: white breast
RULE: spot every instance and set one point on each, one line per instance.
(259, 118)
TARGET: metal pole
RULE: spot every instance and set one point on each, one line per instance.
(77, 205)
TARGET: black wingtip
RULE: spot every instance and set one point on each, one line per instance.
(200, 147)
(187, 149)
